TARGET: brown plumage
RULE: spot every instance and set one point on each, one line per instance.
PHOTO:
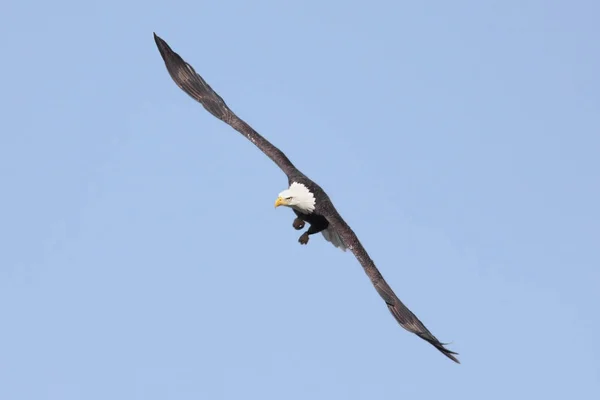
(324, 213)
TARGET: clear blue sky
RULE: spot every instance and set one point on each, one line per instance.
(141, 254)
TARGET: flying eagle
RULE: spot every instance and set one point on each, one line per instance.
(309, 202)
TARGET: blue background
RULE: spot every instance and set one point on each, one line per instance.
(141, 257)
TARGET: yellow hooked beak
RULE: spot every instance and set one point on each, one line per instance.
(280, 202)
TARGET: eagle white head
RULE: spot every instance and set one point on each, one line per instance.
(298, 197)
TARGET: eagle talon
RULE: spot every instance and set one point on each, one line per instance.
(304, 238)
(298, 224)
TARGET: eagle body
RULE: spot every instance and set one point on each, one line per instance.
(308, 200)
(312, 205)
(314, 219)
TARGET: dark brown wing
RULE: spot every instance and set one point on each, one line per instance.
(190, 82)
(403, 315)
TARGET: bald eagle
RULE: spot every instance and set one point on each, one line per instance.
(309, 202)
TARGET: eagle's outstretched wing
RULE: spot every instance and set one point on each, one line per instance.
(403, 315)
(190, 82)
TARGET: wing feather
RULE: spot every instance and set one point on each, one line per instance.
(192, 83)
(401, 313)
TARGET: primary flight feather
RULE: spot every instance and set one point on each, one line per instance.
(308, 201)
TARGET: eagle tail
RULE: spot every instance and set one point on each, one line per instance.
(334, 238)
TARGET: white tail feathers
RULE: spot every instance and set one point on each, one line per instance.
(332, 236)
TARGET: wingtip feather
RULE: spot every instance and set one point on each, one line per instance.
(440, 346)
(410, 322)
